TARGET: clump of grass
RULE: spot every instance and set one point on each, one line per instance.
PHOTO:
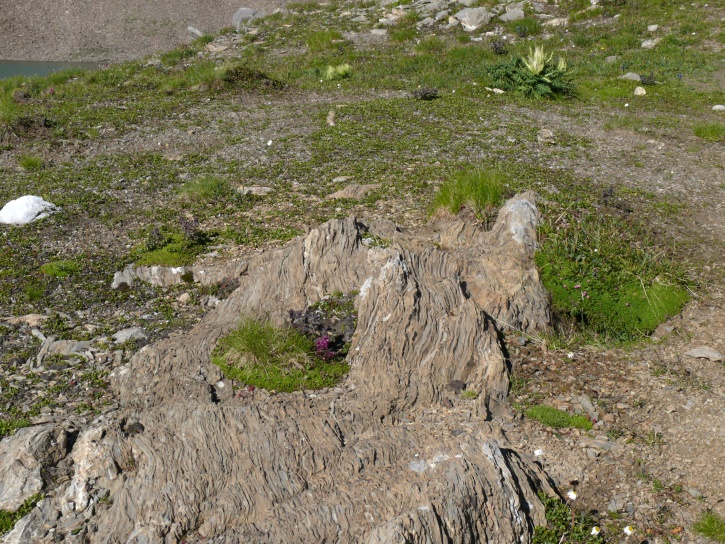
(560, 523)
(469, 394)
(481, 190)
(404, 30)
(558, 419)
(31, 163)
(240, 76)
(536, 75)
(601, 281)
(170, 250)
(341, 71)
(59, 269)
(207, 188)
(713, 132)
(528, 26)
(9, 519)
(711, 526)
(34, 291)
(282, 359)
(324, 40)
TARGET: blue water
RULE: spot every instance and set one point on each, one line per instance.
(10, 68)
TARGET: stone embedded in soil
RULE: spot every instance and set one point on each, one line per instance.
(631, 76)
(705, 352)
(133, 333)
(354, 191)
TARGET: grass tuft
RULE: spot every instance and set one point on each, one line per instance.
(558, 419)
(342, 71)
(207, 188)
(711, 526)
(31, 163)
(713, 132)
(59, 269)
(481, 190)
(324, 40)
(282, 359)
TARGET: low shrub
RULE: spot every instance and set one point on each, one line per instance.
(481, 190)
(283, 359)
(560, 523)
(536, 75)
(551, 417)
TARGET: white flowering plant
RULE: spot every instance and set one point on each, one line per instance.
(564, 525)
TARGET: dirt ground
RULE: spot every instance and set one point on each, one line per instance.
(108, 30)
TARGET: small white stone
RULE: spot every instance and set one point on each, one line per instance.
(640, 91)
(718, 107)
(653, 28)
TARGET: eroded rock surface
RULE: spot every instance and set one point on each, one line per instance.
(392, 454)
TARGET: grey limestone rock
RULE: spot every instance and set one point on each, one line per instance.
(472, 18)
(297, 467)
(243, 16)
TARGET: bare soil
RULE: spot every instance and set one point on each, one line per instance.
(108, 30)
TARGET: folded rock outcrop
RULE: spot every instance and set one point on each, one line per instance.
(391, 455)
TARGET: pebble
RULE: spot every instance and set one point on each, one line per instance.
(640, 91)
(718, 107)
(653, 28)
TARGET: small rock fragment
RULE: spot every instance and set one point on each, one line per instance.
(718, 107)
(705, 352)
(133, 333)
(256, 190)
(631, 76)
(545, 137)
(653, 28)
(649, 44)
(354, 191)
(640, 91)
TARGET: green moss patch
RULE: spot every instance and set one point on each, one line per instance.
(59, 269)
(551, 417)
